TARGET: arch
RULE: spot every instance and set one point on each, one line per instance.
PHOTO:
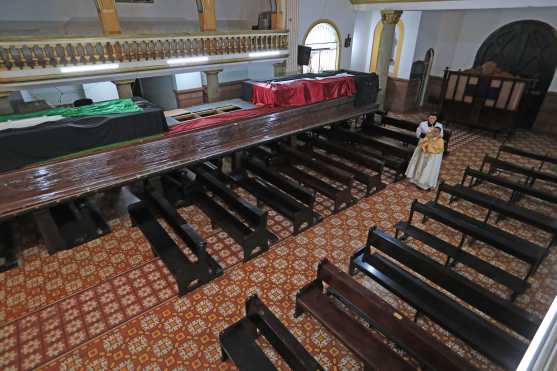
(323, 36)
(527, 48)
(377, 42)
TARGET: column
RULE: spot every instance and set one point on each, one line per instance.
(390, 19)
(5, 105)
(292, 24)
(108, 16)
(124, 88)
(279, 69)
(207, 17)
(213, 86)
(277, 21)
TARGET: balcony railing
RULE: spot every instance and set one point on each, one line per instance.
(42, 57)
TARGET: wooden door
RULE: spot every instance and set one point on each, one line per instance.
(528, 49)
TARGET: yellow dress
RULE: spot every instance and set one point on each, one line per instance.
(425, 164)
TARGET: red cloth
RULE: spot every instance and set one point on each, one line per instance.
(221, 119)
(301, 92)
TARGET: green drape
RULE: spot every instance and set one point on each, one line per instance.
(96, 109)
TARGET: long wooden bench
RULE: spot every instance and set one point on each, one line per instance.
(188, 274)
(428, 351)
(369, 347)
(457, 255)
(532, 217)
(301, 216)
(518, 188)
(413, 126)
(519, 248)
(543, 159)
(238, 341)
(531, 174)
(372, 182)
(496, 344)
(249, 231)
(515, 318)
(394, 157)
(405, 136)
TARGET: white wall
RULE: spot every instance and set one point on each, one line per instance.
(66, 94)
(456, 36)
(186, 81)
(363, 39)
(160, 91)
(341, 12)
(100, 91)
(411, 22)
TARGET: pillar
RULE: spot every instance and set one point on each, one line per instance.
(5, 104)
(213, 86)
(207, 17)
(108, 16)
(124, 88)
(279, 69)
(292, 24)
(390, 19)
(277, 21)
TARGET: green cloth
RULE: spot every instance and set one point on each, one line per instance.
(97, 109)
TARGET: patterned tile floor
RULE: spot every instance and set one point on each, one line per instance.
(110, 304)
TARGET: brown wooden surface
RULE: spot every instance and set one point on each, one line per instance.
(25, 190)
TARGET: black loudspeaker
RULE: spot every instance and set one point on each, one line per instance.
(367, 87)
(304, 53)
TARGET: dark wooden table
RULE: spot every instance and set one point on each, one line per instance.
(26, 190)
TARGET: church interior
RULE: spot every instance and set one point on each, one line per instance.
(278, 184)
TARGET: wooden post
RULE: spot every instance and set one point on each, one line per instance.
(108, 16)
(207, 17)
(124, 88)
(277, 22)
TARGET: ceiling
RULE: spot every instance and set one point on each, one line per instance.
(449, 4)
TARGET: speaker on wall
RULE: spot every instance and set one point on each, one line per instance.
(304, 54)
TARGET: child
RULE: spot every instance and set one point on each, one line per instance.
(425, 165)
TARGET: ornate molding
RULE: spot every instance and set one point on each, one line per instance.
(390, 16)
(28, 59)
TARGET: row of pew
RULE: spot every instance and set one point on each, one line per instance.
(380, 335)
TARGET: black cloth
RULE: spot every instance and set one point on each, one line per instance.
(21, 147)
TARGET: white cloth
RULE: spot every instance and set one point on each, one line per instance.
(28, 123)
(423, 169)
(424, 128)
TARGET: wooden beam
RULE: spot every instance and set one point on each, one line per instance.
(207, 17)
(108, 16)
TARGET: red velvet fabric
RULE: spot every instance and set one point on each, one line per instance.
(301, 92)
(221, 119)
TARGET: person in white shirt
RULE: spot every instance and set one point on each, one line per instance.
(425, 126)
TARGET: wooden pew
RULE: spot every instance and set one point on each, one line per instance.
(496, 344)
(491, 203)
(250, 232)
(412, 126)
(543, 159)
(394, 157)
(366, 345)
(518, 188)
(372, 182)
(188, 275)
(457, 255)
(405, 136)
(531, 174)
(521, 249)
(501, 310)
(70, 224)
(7, 247)
(258, 168)
(428, 351)
(238, 341)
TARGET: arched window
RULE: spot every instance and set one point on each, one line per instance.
(324, 41)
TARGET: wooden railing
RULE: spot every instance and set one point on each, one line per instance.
(54, 52)
(29, 60)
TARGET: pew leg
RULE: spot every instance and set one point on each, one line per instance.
(416, 316)
(487, 216)
(513, 297)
